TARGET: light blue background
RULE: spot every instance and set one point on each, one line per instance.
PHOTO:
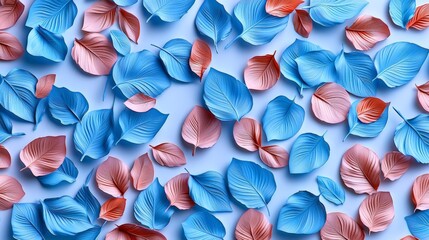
(179, 99)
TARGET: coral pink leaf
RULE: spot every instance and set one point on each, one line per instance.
(409, 237)
(10, 47)
(360, 169)
(10, 13)
(130, 231)
(370, 109)
(201, 128)
(140, 103)
(5, 159)
(129, 24)
(376, 211)
(253, 225)
(367, 31)
(339, 226)
(112, 177)
(330, 103)
(248, 134)
(177, 192)
(94, 53)
(302, 23)
(420, 192)
(281, 8)
(44, 85)
(100, 16)
(113, 209)
(274, 156)
(142, 173)
(169, 155)
(395, 164)
(10, 192)
(262, 72)
(420, 20)
(44, 155)
(423, 96)
(201, 57)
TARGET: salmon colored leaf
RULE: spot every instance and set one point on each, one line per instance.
(44, 85)
(142, 173)
(5, 158)
(331, 103)
(302, 23)
(420, 192)
(360, 169)
(10, 12)
(409, 237)
(253, 225)
(262, 72)
(339, 226)
(113, 209)
(44, 155)
(129, 24)
(177, 192)
(94, 53)
(112, 177)
(281, 8)
(201, 57)
(274, 156)
(10, 47)
(140, 103)
(420, 20)
(248, 134)
(370, 109)
(423, 95)
(169, 155)
(367, 31)
(130, 231)
(100, 16)
(376, 211)
(395, 164)
(10, 192)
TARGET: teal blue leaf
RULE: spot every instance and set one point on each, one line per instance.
(53, 15)
(331, 190)
(226, 97)
(282, 119)
(85, 198)
(152, 208)
(303, 213)
(67, 172)
(418, 224)
(398, 63)
(44, 43)
(317, 67)
(401, 11)
(120, 41)
(125, 3)
(167, 10)
(332, 12)
(309, 152)
(203, 226)
(6, 127)
(40, 111)
(66, 106)
(27, 222)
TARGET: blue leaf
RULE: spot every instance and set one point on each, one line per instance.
(250, 184)
(317, 67)
(90, 234)
(40, 111)
(27, 222)
(208, 190)
(140, 128)
(125, 3)
(53, 15)
(152, 208)
(398, 63)
(140, 72)
(401, 11)
(6, 128)
(309, 152)
(93, 136)
(17, 94)
(282, 119)
(66, 106)
(418, 224)
(203, 226)
(257, 26)
(44, 43)
(331, 12)
(67, 172)
(120, 41)
(226, 97)
(175, 55)
(331, 190)
(213, 21)
(167, 10)
(85, 198)
(356, 72)
(303, 213)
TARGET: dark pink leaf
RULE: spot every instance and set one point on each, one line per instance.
(339, 226)
(253, 225)
(370, 109)
(201, 57)
(262, 72)
(169, 155)
(130, 231)
(177, 192)
(142, 173)
(140, 103)
(281, 8)
(112, 177)
(248, 134)
(10, 12)
(274, 156)
(376, 211)
(10, 47)
(367, 31)
(129, 24)
(113, 209)
(5, 159)
(302, 23)
(44, 85)
(10, 192)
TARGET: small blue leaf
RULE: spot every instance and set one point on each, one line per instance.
(27, 222)
(40, 111)
(418, 224)
(317, 67)
(66, 106)
(309, 152)
(67, 172)
(282, 119)
(125, 3)
(44, 43)
(332, 12)
(401, 11)
(120, 41)
(331, 190)
(6, 127)
(203, 225)
(53, 15)
(167, 10)
(85, 198)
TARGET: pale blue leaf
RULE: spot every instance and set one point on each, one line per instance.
(317, 67)
(418, 224)
(44, 43)
(27, 222)
(67, 172)
(120, 41)
(6, 127)
(203, 226)
(125, 3)
(53, 15)
(331, 190)
(66, 106)
(401, 11)
(303, 213)
(40, 111)
(398, 63)
(282, 119)
(208, 190)
(331, 12)
(152, 208)
(309, 152)
(226, 97)
(85, 198)
(167, 10)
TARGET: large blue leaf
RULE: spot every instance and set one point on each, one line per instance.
(85, 198)
(125, 3)
(140, 72)
(167, 10)
(67, 172)
(120, 41)
(203, 226)
(317, 67)
(401, 11)
(398, 63)
(44, 43)
(257, 26)
(53, 15)
(303, 213)
(309, 152)
(213, 21)
(226, 97)
(66, 106)
(331, 190)
(208, 190)
(282, 119)
(139, 128)
(6, 128)
(331, 12)
(152, 208)
(418, 224)
(27, 222)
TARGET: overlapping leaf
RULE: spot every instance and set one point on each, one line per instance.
(166, 10)
(203, 225)
(253, 225)
(309, 152)
(66, 106)
(331, 12)
(330, 103)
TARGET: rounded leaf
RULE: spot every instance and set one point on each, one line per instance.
(10, 12)
(10, 47)
(395, 164)
(420, 20)
(253, 225)
(169, 155)
(44, 85)
(177, 191)
(376, 211)
(113, 209)
(5, 158)
(112, 177)
(420, 192)
(129, 231)
(142, 173)
(331, 103)
(274, 156)
(248, 134)
(100, 16)
(423, 95)
(262, 72)
(140, 103)
(309, 152)
(370, 109)
(339, 226)
(366, 31)
(10, 192)
(201, 57)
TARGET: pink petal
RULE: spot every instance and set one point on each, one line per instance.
(44, 85)
(10, 47)
(5, 159)
(409, 237)
(253, 225)
(44, 155)
(376, 211)
(10, 192)
(420, 192)
(339, 226)
(113, 209)
(129, 24)
(281, 8)
(201, 57)
(370, 109)
(177, 192)
(262, 72)
(130, 231)
(94, 53)
(10, 13)
(140, 103)
(423, 96)
(112, 177)
(168, 154)
(302, 23)
(330, 103)
(274, 156)
(248, 134)
(395, 164)
(420, 20)
(100, 16)
(366, 31)
(142, 173)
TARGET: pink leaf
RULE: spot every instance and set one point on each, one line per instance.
(130, 231)
(376, 211)
(100, 16)
(420, 192)
(366, 31)
(112, 177)
(169, 155)
(10, 192)
(253, 225)
(339, 226)
(142, 173)
(201, 57)
(262, 72)
(44, 85)
(10, 47)
(113, 209)
(395, 164)
(248, 134)
(370, 109)
(423, 95)
(330, 103)
(302, 23)
(281, 8)
(129, 24)
(420, 20)
(409, 237)
(177, 192)
(94, 53)
(360, 169)
(5, 159)
(140, 103)
(10, 12)
(44, 155)
(274, 156)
